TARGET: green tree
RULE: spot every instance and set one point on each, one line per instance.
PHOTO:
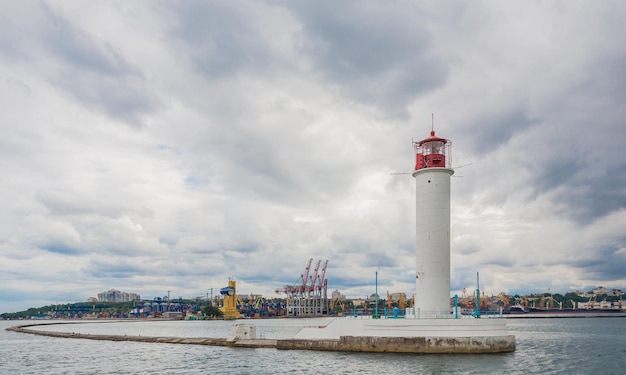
(212, 312)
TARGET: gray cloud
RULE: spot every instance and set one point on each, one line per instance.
(94, 72)
(375, 54)
(264, 134)
(220, 39)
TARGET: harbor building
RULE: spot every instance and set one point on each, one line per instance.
(114, 295)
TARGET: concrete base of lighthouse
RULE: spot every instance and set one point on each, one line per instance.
(363, 334)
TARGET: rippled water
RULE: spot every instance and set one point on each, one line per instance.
(544, 346)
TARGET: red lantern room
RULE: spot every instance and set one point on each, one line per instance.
(432, 152)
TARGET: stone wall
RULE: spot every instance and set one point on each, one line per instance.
(485, 344)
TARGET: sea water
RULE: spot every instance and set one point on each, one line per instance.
(544, 346)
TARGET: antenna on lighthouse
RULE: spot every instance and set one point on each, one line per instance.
(432, 122)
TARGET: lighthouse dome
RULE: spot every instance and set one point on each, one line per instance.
(432, 152)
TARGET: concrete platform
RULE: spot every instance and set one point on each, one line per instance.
(431, 345)
(352, 335)
(368, 327)
(406, 336)
(248, 343)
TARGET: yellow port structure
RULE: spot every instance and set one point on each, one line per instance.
(230, 301)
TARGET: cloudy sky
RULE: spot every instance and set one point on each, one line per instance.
(155, 146)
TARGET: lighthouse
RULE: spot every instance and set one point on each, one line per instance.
(432, 179)
(420, 331)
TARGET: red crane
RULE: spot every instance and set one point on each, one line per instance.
(305, 277)
(322, 279)
(311, 287)
(315, 283)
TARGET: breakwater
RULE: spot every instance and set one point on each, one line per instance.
(248, 343)
(422, 345)
(343, 344)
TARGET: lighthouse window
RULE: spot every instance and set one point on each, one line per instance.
(433, 148)
(437, 148)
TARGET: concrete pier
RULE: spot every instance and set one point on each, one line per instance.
(247, 343)
(406, 336)
(432, 345)
(368, 327)
(383, 335)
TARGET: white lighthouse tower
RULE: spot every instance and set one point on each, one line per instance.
(428, 327)
(432, 178)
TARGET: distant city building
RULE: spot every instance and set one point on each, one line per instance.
(251, 297)
(92, 299)
(337, 296)
(397, 297)
(114, 295)
(600, 290)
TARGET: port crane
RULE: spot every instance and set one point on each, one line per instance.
(309, 297)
